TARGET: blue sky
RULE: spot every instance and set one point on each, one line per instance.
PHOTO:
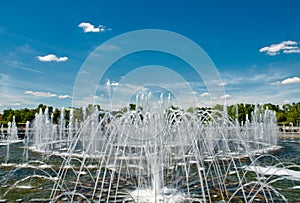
(255, 45)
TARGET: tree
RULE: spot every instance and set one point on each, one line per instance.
(219, 107)
(232, 112)
(281, 117)
(29, 116)
(41, 106)
(132, 107)
(286, 107)
(56, 115)
(241, 113)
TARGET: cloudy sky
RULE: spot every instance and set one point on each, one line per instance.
(255, 46)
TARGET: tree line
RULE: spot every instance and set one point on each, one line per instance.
(286, 114)
(23, 115)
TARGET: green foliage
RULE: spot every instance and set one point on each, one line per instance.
(218, 107)
(289, 113)
(78, 114)
(243, 110)
(41, 106)
(132, 107)
(23, 115)
(232, 112)
(238, 111)
(271, 107)
(56, 115)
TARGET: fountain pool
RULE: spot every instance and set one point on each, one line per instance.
(142, 156)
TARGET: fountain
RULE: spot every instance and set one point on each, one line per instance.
(168, 155)
(8, 138)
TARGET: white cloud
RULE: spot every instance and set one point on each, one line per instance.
(114, 84)
(226, 96)
(88, 27)
(47, 94)
(64, 96)
(1, 104)
(287, 47)
(292, 51)
(293, 80)
(248, 78)
(109, 48)
(276, 83)
(287, 81)
(4, 76)
(205, 94)
(40, 94)
(223, 84)
(15, 104)
(52, 57)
